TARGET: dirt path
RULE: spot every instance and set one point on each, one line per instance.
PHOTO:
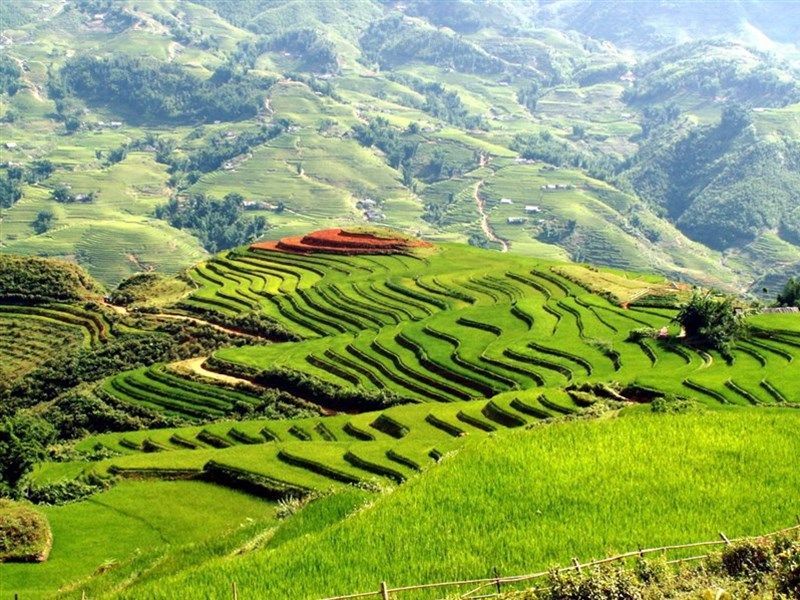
(485, 225)
(195, 365)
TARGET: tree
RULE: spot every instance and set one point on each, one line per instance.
(10, 191)
(790, 295)
(711, 322)
(23, 443)
(62, 194)
(43, 222)
(40, 169)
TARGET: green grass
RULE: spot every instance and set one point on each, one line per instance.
(132, 518)
(505, 502)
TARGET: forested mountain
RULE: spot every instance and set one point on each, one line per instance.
(612, 118)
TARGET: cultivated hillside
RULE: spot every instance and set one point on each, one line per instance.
(308, 376)
(445, 119)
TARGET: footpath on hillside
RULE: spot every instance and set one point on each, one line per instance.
(485, 225)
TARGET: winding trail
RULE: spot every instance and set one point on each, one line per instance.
(485, 226)
(195, 365)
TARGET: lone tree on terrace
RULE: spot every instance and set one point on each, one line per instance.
(790, 295)
(711, 322)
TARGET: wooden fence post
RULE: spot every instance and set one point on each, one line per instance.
(384, 591)
(724, 538)
(577, 564)
(497, 579)
(234, 590)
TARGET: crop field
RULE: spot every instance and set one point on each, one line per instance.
(29, 335)
(418, 326)
(134, 517)
(389, 291)
(112, 236)
(298, 456)
(481, 355)
(617, 484)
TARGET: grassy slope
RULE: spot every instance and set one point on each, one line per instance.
(642, 479)
(132, 518)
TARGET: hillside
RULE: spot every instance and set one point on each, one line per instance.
(346, 367)
(302, 298)
(393, 114)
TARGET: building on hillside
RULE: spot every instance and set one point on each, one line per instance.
(256, 205)
(506, 201)
(532, 208)
(516, 220)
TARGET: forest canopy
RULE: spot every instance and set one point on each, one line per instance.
(157, 91)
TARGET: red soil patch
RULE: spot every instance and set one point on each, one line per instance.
(339, 241)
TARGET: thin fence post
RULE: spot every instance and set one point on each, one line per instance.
(234, 590)
(497, 579)
(724, 538)
(384, 591)
(577, 565)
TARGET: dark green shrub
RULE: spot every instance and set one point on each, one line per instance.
(788, 571)
(750, 559)
(64, 492)
(642, 333)
(601, 584)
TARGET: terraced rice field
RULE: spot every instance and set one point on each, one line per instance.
(457, 324)
(31, 335)
(165, 390)
(460, 342)
(295, 457)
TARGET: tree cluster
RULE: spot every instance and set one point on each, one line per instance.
(218, 224)
(150, 90)
(10, 75)
(712, 322)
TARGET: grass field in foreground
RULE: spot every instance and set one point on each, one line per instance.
(534, 498)
(132, 518)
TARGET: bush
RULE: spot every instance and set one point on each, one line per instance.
(642, 333)
(602, 584)
(218, 224)
(750, 559)
(64, 492)
(43, 221)
(26, 278)
(23, 443)
(78, 414)
(671, 404)
(24, 533)
(788, 576)
(158, 91)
